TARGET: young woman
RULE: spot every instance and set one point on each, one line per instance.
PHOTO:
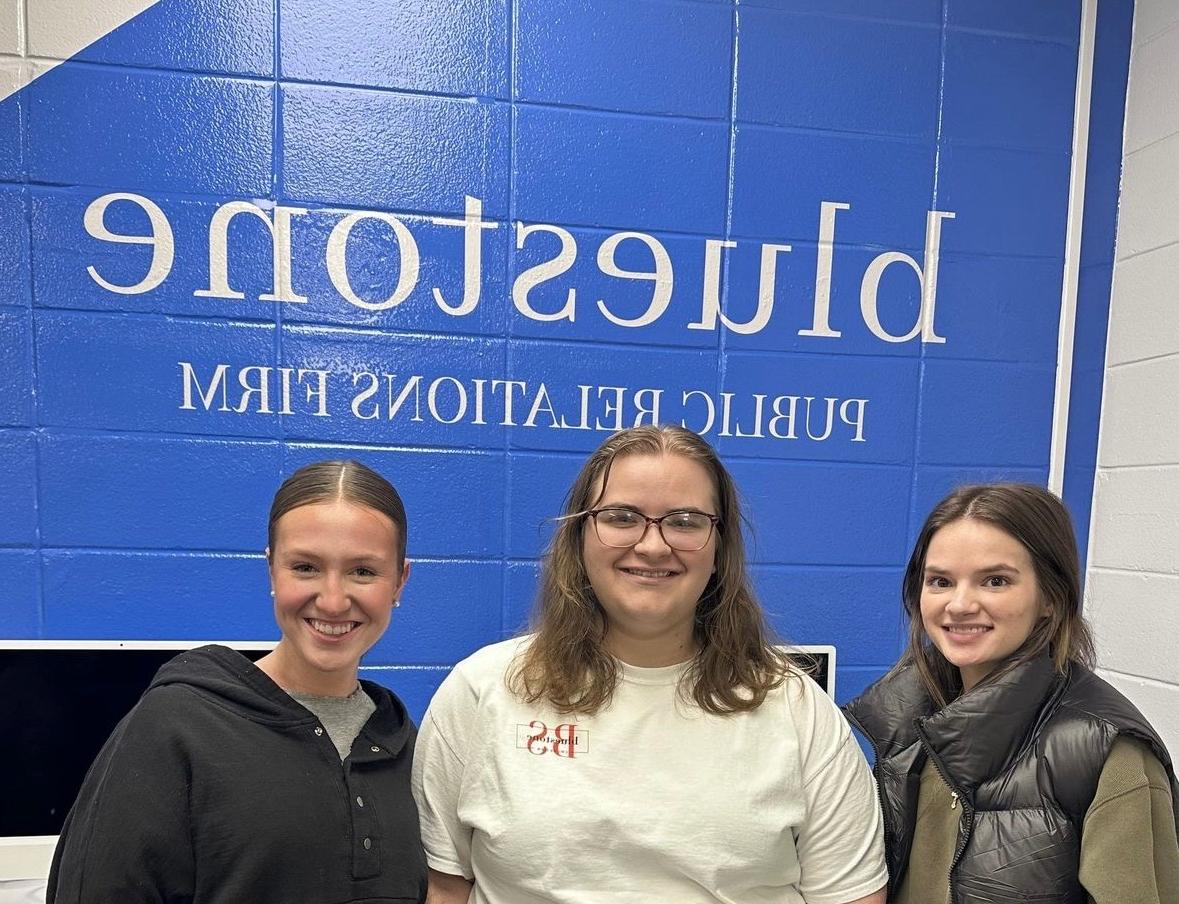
(646, 743)
(1008, 771)
(281, 782)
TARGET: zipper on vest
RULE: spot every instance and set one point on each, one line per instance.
(967, 826)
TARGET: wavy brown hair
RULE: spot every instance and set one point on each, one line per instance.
(1038, 520)
(567, 663)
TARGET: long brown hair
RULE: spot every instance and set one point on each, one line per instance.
(1038, 520)
(567, 663)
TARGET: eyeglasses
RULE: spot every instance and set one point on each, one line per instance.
(685, 531)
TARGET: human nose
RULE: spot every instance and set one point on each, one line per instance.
(333, 596)
(962, 601)
(652, 542)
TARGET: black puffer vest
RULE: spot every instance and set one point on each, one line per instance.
(1023, 753)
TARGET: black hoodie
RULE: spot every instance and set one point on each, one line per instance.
(218, 788)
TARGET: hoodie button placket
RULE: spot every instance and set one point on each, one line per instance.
(366, 847)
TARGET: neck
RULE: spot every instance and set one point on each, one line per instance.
(290, 676)
(651, 652)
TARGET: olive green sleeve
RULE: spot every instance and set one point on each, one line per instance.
(1129, 850)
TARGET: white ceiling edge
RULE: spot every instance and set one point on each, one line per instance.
(58, 30)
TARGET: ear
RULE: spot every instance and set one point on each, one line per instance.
(406, 567)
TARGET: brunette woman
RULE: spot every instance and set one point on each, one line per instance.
(273, 783)
(1008, 771)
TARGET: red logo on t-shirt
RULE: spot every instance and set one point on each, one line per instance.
(566, 739)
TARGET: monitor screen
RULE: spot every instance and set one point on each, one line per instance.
(60, 701)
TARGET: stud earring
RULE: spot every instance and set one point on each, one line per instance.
(272, 593)
(396, 603)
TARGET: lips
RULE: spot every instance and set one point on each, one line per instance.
(331, 629)
(652, 573)
(966, 633)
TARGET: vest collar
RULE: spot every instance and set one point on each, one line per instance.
(975, 736)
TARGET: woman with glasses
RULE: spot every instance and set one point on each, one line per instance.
(647, 742)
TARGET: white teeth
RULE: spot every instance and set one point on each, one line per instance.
(967, 629)
(647, 573)
(333, 629)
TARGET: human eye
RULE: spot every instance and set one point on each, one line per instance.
(364, 571)
(686, 522)
(997, 580)
(619, 517)
(303, 568)
(936, 581)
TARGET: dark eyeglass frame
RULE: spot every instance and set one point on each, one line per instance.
(592, 514)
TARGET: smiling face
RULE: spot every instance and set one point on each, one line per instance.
(980, 599)
(649, 591)
(335, 569)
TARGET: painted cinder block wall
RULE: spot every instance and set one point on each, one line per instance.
(135, 510)
(1133, 581)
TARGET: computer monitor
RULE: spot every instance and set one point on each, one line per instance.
(59, 701)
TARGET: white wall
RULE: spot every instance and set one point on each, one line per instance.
(1133, 584)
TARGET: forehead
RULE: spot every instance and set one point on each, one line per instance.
(971, 541)
(664, 478)
(336, 521)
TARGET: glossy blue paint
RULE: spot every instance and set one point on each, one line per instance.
(793, 67)
(985, 413)
(16, 399)
(145, 391)
(13, 119)
(639, 56)
(1056, 20)
(443, 46)
(198, 35)
(1111, 57)
(869, 500)
(584, 168)
(18, 504)
(1006, 308)
(927, 12)
(92, 125)
(385, 151)
(174, 595)
(824, 421)
(96, 492)
(20, 572)
(1010, 92)
(993, 187)
(781, 178)
(14, 250)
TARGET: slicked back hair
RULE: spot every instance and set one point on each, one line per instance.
(340, 480)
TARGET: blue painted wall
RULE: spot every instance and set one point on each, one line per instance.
(137, 489)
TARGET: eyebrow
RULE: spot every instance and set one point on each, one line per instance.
(637, 510)
(998, 566)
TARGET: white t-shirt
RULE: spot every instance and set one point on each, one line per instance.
(650, 800)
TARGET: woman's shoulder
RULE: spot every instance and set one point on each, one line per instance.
(486, 668)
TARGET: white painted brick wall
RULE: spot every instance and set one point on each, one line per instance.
(1132, 594)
